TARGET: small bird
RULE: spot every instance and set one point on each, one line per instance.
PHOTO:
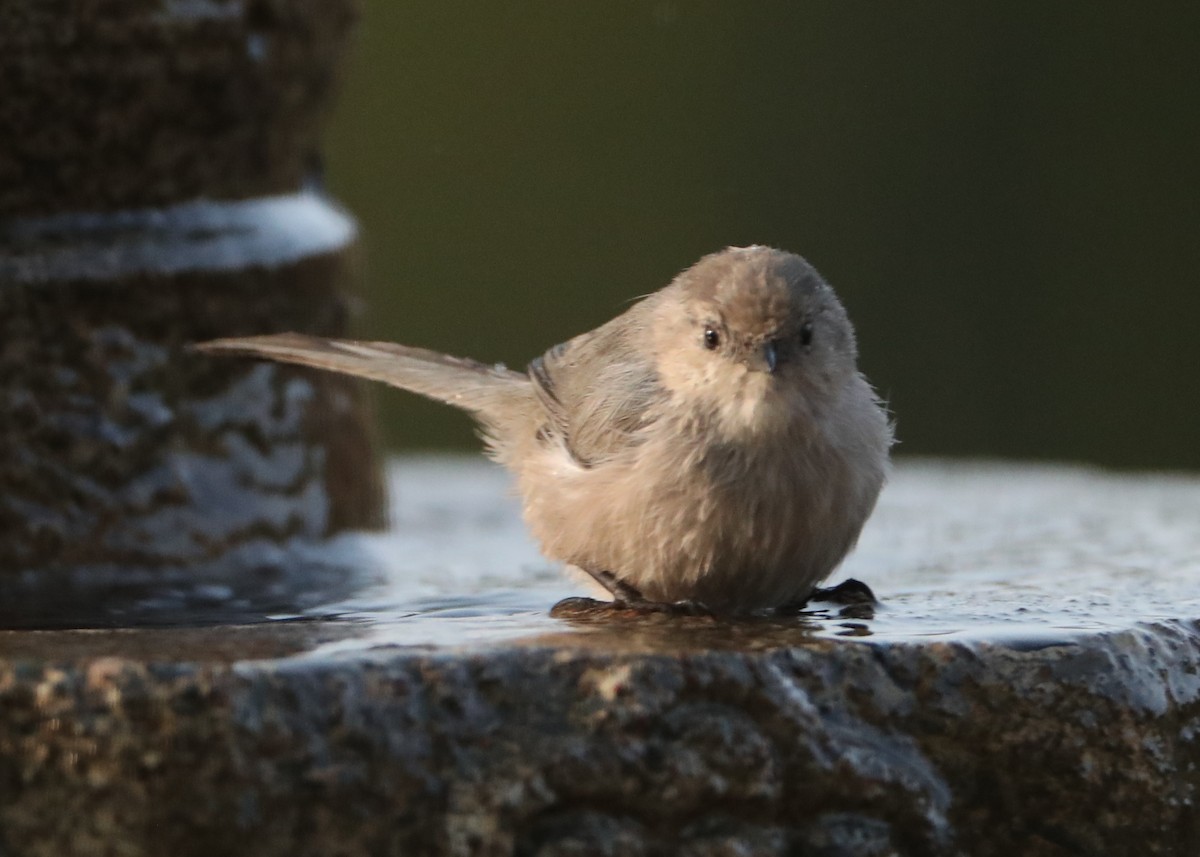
(713, 445)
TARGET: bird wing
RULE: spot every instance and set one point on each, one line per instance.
(597, 390)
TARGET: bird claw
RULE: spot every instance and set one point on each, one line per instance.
(858, 601)
(589, 608)
(856, 598)
(849, 591)
(577, 607)
(686, 607)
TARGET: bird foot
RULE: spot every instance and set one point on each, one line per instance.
(686, 607)
(628, 599)
(849, 591)
(856, 598)
(590, 608)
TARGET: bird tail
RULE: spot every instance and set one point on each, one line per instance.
(487, 392)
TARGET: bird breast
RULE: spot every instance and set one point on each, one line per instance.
(681, 515)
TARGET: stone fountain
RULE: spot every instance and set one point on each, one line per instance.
(206, 653)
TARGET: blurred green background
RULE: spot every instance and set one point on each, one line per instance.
(1007, 196)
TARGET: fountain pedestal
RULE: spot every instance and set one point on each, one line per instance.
(156, 173)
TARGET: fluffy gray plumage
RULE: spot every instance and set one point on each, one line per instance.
(715, 442)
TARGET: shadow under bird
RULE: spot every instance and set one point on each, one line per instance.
(713, 445)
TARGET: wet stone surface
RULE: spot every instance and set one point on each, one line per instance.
(1029, 684)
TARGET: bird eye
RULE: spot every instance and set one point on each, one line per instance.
(806, 332)
(712, 338)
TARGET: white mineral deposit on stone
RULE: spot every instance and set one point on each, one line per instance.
(195, 236)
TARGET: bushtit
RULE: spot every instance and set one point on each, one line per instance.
(714, 443)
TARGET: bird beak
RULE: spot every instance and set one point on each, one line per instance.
(770, 356)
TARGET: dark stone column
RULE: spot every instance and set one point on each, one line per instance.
(156, 189)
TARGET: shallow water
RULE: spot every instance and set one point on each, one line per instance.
(1031, 555)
